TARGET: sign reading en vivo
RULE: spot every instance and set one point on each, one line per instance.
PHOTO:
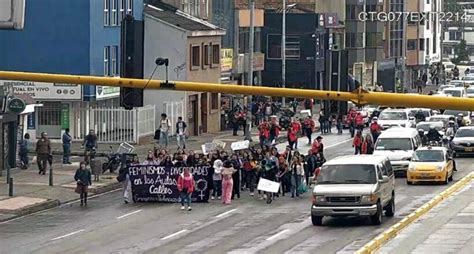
(45, 91)
(104, 92)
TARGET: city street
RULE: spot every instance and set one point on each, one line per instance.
(249, 225)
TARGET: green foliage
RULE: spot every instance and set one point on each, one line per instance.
(461, 53)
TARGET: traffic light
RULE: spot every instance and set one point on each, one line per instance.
(131, 61)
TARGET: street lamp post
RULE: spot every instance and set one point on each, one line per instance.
(283, 49)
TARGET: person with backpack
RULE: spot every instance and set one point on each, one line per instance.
(375, 129)
(165, 126)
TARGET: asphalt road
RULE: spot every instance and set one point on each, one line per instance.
(248, 225)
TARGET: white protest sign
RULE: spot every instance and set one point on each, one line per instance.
(208, 147)
(219, 143)
(268, 186)
(241, 145)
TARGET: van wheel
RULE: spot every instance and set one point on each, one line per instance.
(390, 208)
(317, 220)
(377, 217)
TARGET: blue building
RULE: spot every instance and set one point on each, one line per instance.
(66, 37)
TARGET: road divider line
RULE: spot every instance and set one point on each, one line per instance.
(67, 235)
(128, 214)
(338, 143)
(394, 230)
(225, 213)
(278, 234)
(174, 234)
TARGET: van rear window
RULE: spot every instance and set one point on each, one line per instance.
(344, 174)
(393, 144)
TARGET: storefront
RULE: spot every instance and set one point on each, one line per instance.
(58, 104)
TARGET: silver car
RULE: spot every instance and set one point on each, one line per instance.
(355, 185)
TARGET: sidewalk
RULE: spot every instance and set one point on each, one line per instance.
(32, 192)
(448, 228)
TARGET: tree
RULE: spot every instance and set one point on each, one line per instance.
(460, 52)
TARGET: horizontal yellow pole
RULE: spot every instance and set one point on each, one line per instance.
(358, 97)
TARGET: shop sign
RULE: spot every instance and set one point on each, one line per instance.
(31, 119)
(104, 92)
(16, 105)
(45, 91)
(226, 59)
(65, 119)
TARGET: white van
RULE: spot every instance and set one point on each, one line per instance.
(389, 118)
(398, 144)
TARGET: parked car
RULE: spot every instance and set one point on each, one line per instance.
(455, 92)
(355, 185)
(396, 118)
(463, 142)
(431, 164)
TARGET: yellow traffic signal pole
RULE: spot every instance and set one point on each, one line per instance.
(359, 97)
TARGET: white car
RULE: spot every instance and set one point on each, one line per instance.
(470, 91)
(396, 118)
(468, 80)
(455, 92)
(442, 87)
(456, 83)
(440, 118)
(466, 114)
(448, 66)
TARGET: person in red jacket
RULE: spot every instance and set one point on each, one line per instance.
(292, 137)
(308, 126)
(375, 129)
(297, 128)
(367, 145)
(351, 121)
(263, 133)
(315, 146)
(357, 142)
(186, 187)
(359, 121)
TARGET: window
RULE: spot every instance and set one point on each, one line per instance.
(273, 46)
(455, 35)
(106, 13)
(411, 45)
(354, 40)
(113, 61)
(106, 61)
(205, 56)
(352, 11)
(292, 49)
(123, 8)
(374, 39)
(129, 7)
(422, 44)
(214, 101)
(216, 55)
(114, 13)
(195, 57)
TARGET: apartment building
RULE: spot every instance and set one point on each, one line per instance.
(454, 32)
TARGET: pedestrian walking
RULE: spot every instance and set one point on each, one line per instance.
(297, 173)
(319, 139)
(308, 105)
(67, 139)
(292, 137)
(89, 145)
(186, 187)
(43, 151)
(274, 130)
(227, 182)
(322, 121)
(375, 129)
(250, 174)
(368, 145)
(83, 178)
(295, 123)
(25, 146)
(217, 180)
(339, 123)
(419, 86)
(181, 132)
(237, 165)
(357, 142)
(124, 178)
(294, 105)
(283, 175)
(308, 127)
(165, 126)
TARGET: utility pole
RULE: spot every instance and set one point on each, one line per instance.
(283, 49)
(248, 120)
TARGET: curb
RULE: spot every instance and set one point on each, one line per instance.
(394, 230)
(55, 203)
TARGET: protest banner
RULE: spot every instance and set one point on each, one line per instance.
(268, 186)
(152, 183)
(240, 145)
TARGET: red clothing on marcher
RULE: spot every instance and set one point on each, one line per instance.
(296, 126)
(309, 124)
(357, 140)
(315, 146)
(292, 134)
(264, 130)
(186, 181)
(375, 128)
(359, 119)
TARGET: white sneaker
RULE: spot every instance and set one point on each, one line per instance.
(212, 197)
(189, 208)
(252, 194)
(182, 207)
(219, 198)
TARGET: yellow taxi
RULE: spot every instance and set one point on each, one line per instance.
(430, 164)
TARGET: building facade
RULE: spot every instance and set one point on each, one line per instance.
(192, 46)
(67, 37)
(454, 32)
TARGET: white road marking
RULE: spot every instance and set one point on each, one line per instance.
(128, 214)
(225, 213)
(338, 143)
(67, 235)
(278, 234)
(174, 234)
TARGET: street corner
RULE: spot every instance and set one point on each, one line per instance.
(19, 206)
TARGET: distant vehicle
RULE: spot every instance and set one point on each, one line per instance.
(456, 83)
(355, 185)
(455, 92)
(470, 91)
(395, 118)
(426, 111)
(448, 66)
(398, 144)
(439, 126)
(466, 114)
(463, 142)
(440, 118)
(431, 164)
(468, 80)
(442, 87)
